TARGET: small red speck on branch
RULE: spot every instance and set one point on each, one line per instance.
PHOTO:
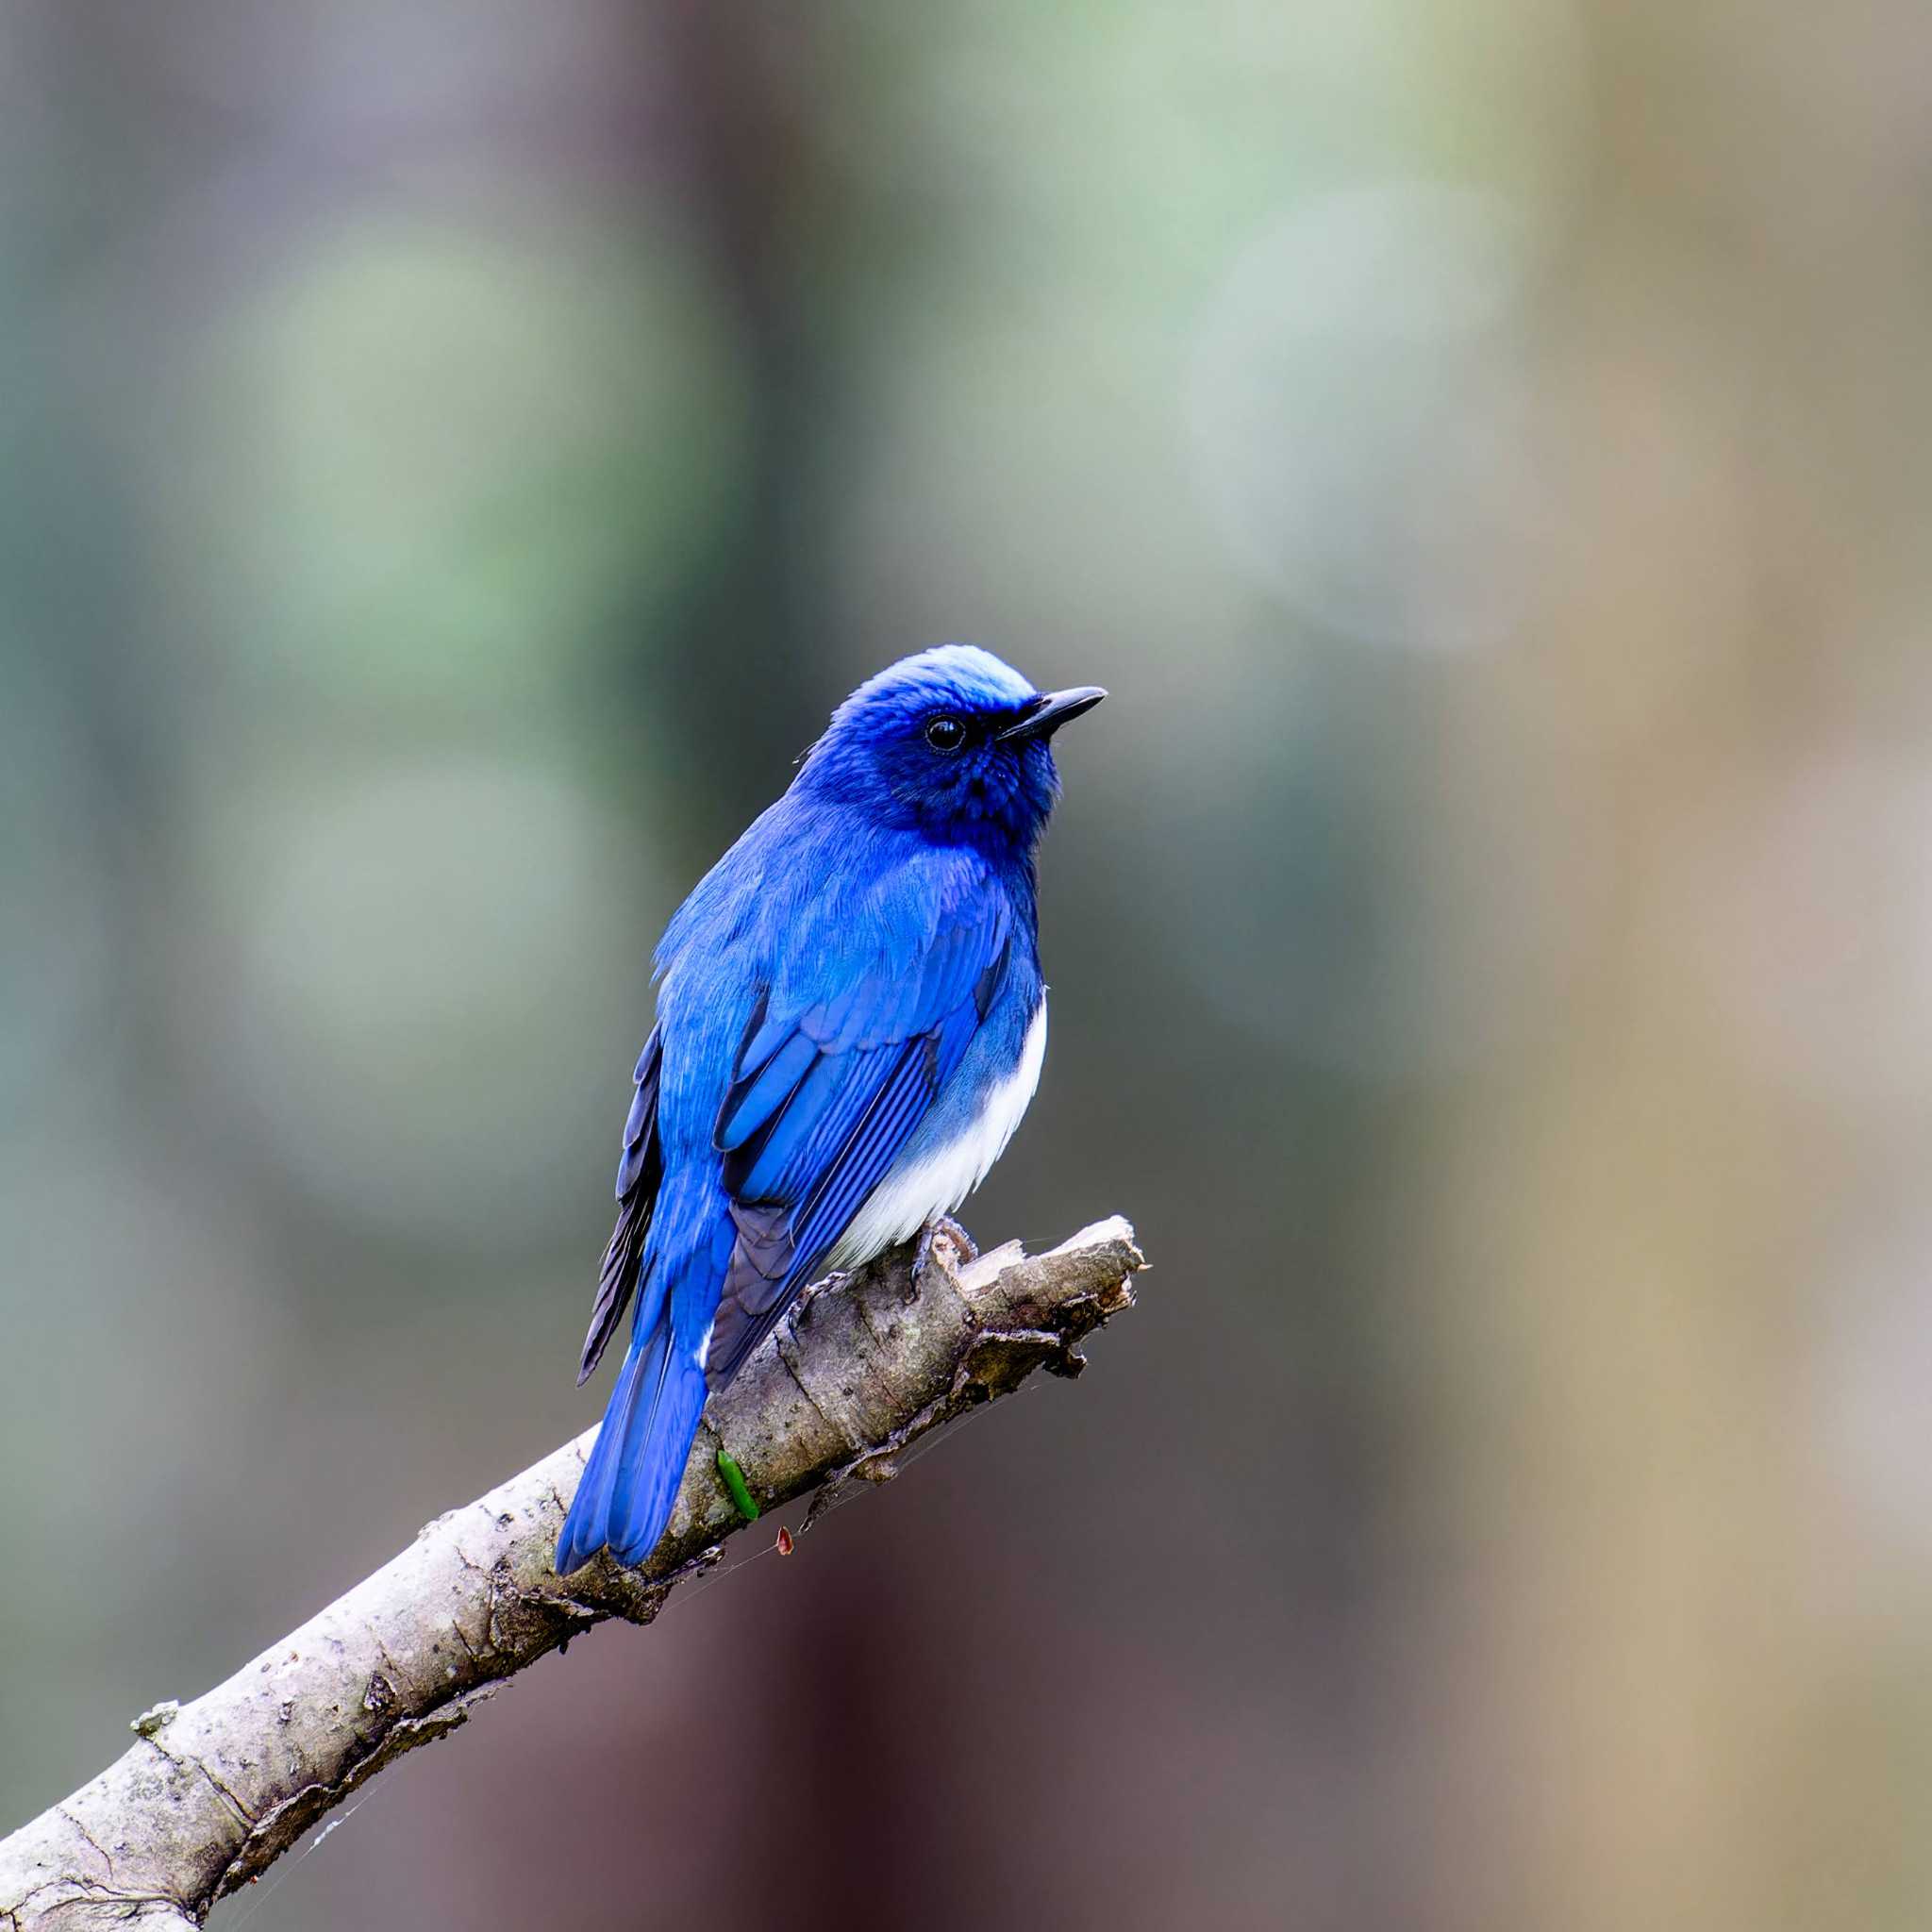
(784, 1544)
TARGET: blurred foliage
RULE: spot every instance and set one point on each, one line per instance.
(457, 455)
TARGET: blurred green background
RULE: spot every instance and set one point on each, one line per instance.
(455, 458)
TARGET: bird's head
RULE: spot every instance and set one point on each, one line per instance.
(953, 741)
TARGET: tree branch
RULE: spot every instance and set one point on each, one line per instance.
(212, 1792)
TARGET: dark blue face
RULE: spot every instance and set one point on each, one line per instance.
(954, 769)
(953, 741)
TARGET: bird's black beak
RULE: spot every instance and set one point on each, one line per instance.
(1047, 713)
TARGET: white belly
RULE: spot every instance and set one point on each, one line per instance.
(940, 1180)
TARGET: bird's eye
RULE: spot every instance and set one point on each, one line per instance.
(945, 734)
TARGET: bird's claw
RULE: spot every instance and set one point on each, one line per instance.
(941, 1227)
(831, 1285)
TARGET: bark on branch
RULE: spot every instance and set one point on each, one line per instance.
(212, 1792)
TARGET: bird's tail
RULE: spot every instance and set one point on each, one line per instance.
(637, 1462)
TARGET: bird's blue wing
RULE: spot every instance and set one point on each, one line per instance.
(837, 1069)
(640, 1168)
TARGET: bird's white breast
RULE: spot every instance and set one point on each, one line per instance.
(937, 1182)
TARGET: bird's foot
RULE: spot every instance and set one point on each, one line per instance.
(831, 1285)
(958, 1248)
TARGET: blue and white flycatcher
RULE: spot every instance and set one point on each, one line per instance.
(851, 1022)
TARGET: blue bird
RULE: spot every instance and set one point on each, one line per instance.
(851, 1022)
